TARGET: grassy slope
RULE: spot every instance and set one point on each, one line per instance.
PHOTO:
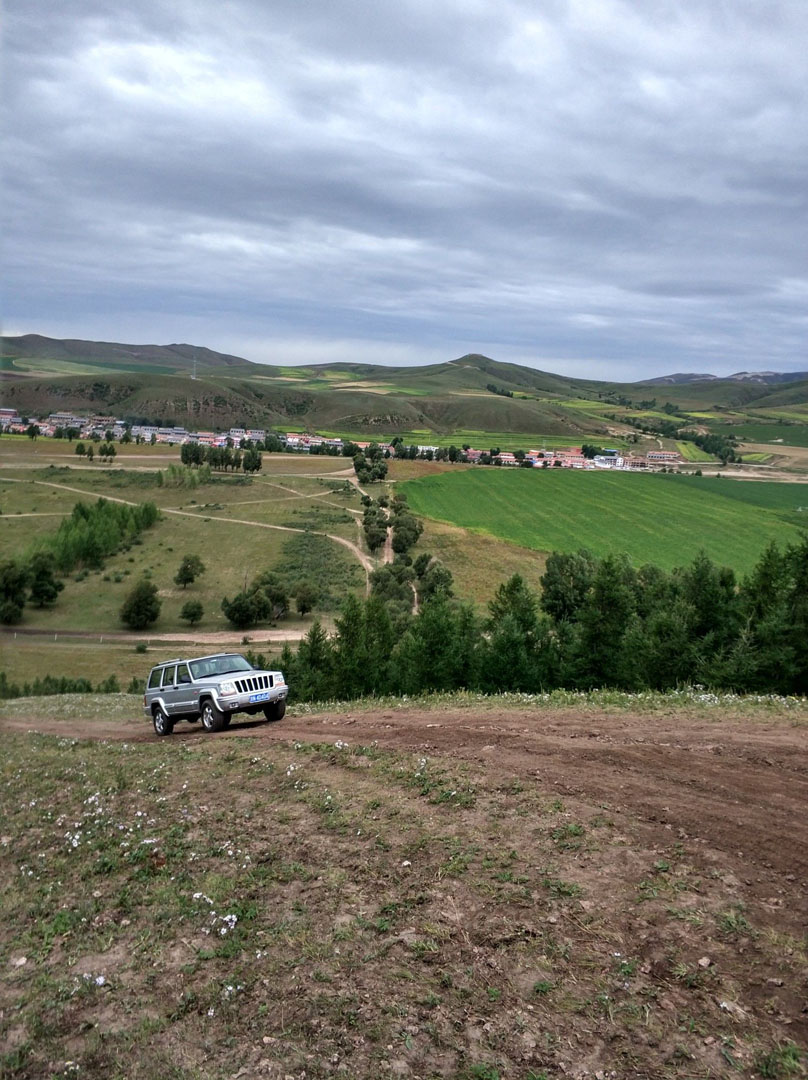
(661, 519)
(210, 526)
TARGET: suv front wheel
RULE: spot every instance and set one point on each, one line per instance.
(163, 724)
(275, 710)
(213, 719)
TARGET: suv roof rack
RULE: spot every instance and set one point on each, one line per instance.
(174, 660)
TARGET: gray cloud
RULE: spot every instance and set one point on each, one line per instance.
(607, 187)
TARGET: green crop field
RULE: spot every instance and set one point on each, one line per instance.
(781, 434)
(756, 458)
(691, 452)
(662, 519)
(483, 440)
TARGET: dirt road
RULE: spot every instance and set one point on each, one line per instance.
(735, 785)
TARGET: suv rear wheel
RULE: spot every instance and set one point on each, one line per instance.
(213, 719)
(275, 710)
(163, 724)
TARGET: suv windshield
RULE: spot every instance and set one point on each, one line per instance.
(219, 665)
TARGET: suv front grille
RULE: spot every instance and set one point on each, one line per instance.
(258, 682)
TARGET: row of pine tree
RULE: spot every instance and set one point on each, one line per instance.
(596, 623)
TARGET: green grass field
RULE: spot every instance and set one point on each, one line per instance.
(662, 519)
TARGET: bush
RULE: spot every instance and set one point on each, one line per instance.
(192, 612)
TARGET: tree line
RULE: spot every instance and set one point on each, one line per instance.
(246, 458)
(597, 623)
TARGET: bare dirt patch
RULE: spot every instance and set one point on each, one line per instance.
(457, 892)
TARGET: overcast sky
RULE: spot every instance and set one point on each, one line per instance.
(609, 188)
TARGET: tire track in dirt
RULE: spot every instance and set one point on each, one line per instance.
(737, 787)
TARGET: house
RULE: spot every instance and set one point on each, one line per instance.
(663, 456)
(8, 417)
(608, 461)
(68, 420)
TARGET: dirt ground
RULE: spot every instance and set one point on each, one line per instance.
(737, 786)
(623, 893)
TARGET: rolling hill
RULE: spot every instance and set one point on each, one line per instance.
(467, 396)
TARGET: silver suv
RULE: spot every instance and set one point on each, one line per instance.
(211, 689)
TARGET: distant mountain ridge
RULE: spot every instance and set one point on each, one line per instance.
(767, 378)
(183, 356)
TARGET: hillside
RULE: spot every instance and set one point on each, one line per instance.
(111, 355)
(471, 397)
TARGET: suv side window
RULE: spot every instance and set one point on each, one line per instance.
(168, 675)
(154, 679)
(183, 675)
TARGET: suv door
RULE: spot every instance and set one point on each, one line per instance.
(170, 692)
(187, 697)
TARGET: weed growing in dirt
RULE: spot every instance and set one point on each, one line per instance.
(195, 908)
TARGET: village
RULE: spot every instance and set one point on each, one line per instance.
(72, 426)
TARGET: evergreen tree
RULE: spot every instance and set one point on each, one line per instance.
(44, 585)
(507, 658)
(313, 666)
(428, 655)
(797, 609)
(514, 598)
(710, 590)
(350, 651)
(13, 590)
(379, 642)
(609, 605)
(565, 584)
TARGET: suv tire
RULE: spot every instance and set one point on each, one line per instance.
(213, 719)
(275, 711)
(163, 724)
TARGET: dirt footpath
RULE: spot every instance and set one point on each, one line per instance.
(736, 785)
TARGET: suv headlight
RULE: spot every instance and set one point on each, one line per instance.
(227, 687)
(280, 681)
